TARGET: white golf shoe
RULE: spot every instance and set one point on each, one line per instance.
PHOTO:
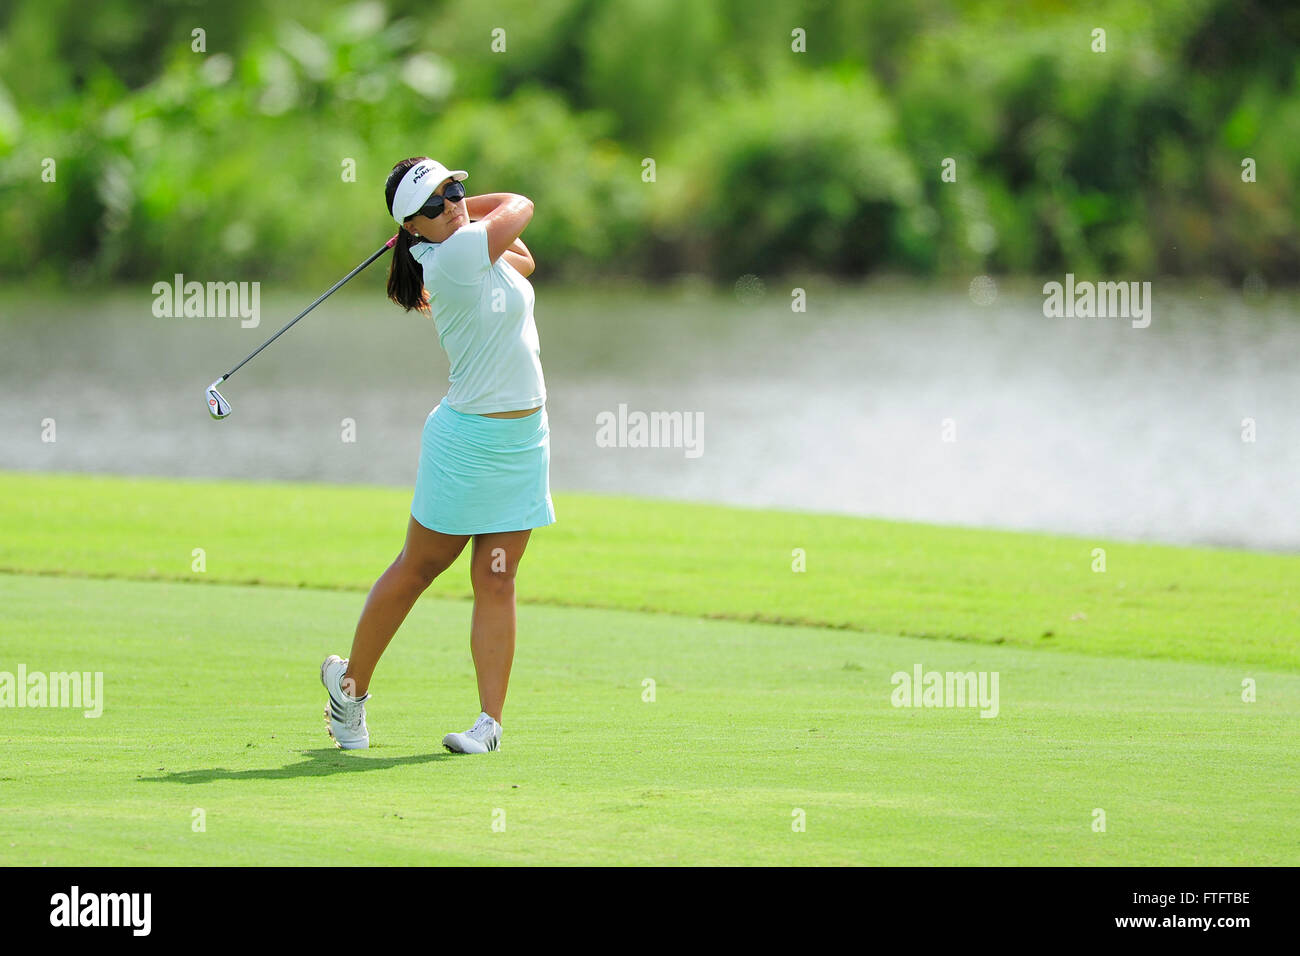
(345, 716)
(483, 737)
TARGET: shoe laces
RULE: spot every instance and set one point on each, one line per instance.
(354, 711)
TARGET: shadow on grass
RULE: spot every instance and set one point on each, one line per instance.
(320, 763)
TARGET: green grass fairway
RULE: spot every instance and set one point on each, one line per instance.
(212, 700)
(1029, 590)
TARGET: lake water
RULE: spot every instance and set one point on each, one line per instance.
(1077, 425)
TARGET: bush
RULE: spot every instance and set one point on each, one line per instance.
(805, 174)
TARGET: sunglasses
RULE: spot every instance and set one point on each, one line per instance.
(453, 191)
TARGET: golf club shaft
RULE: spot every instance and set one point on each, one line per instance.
(324, 295)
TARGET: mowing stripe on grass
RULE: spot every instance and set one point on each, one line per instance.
(213, 704)
(1029, 590)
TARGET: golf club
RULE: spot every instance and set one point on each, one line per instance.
(218, 407)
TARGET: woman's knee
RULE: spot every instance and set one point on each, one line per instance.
(493, 584)
(420, 572)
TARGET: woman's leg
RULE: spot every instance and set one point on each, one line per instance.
(493, 563)
(426, 555)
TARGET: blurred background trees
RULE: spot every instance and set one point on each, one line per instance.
(232, 159)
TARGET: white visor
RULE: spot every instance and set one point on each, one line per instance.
(419, 183)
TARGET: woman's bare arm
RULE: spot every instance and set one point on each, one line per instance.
(506, 215)
(479, 206)
(519, 257)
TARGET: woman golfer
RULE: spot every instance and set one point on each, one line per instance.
(484, 470)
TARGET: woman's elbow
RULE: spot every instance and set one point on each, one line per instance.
(525, 207)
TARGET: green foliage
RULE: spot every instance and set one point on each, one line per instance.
(231, 160)
(807, 174)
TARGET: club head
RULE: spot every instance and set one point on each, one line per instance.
(218, 407)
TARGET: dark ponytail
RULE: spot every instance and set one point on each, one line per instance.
(405, 277)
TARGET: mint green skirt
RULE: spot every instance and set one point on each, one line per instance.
(480, 475)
